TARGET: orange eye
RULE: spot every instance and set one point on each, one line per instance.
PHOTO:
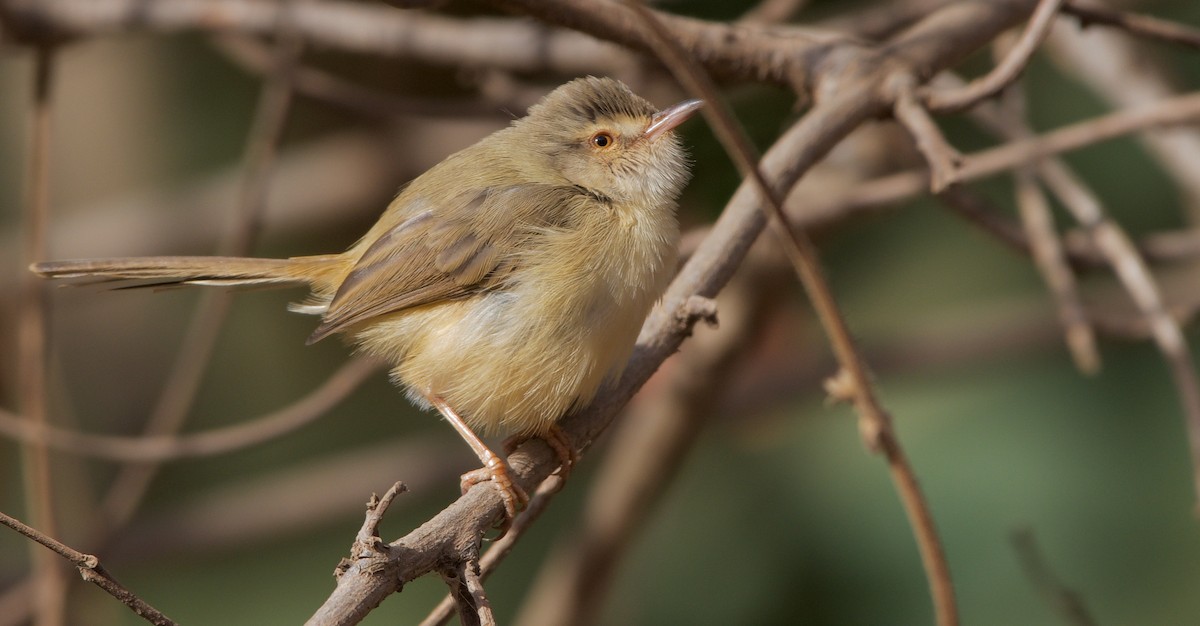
(602, 139)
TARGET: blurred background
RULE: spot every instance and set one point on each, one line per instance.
(777, 514)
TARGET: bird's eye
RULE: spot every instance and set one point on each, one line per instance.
(602, 139)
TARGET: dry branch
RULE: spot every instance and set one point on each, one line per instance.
(932, 45)
(92, 571)
(161, 447)
(875, 423)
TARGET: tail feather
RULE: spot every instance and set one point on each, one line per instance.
(320, 272)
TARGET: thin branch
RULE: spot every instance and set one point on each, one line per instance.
(1131, 270)
(1051, 262)
(368, 534)
(254, 56)
(1064, 600)
(772, 11)
(1143, 289)
(1141, 25)
(92, 571)
(897, 187)
(942, 158)
(874, 421)
(382, 31)
(170, 447)
(1120, 70)
(1046, 247)
(1005, 72)
(32, 348)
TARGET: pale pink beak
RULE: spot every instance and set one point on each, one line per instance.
(670, 117)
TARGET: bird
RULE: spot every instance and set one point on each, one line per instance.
(505, 284)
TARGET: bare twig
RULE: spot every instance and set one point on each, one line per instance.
(368, 534)
(1005, 72)
(370, 28)
(502, 547)
(773, 11)
(92, 571)
(1121, 70)
(1140, 25)
(1130, 268)
(874, 421)
(889, 189)
(942, 158)
(158, 448)
(32, 346)
(1049, 257)
(1045, 245)
(317, 84)
(1143, 289)
(1064, 600)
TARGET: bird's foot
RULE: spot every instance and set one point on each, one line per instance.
(496, 470)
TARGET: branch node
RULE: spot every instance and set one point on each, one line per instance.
(376, 507)
(841, 387)
(695, 309)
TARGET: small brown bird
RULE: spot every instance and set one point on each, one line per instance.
(504, 284)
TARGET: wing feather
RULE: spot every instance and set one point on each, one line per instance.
(438, 254)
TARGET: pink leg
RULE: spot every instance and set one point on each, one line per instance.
(494, 468)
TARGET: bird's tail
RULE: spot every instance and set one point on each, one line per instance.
(320, 272)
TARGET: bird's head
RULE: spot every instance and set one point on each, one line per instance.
(599, 135)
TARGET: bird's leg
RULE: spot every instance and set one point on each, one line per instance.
(494, 468)
(557, 440)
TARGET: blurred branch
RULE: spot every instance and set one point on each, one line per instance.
(1005, 72)
(178, 393)
(92, 571)
(32, 352)
(875, 423)
(1127, 264)
(1008, 156)
(1120, 71)
(256, 57)
(162, 447)
(1065, 601)
(1045, 246)
(1140, 25)
(943, 160)
(364, 28)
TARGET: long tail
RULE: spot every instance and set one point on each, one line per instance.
(320, 272)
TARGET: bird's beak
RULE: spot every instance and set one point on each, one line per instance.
(670, 117)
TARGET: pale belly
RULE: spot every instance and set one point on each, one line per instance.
(507, 363)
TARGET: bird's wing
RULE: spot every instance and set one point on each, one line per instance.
(443, 253)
